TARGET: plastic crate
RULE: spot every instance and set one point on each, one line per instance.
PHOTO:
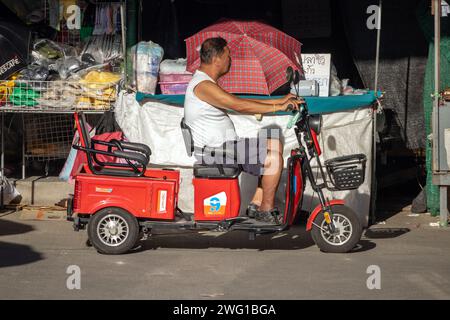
(176, 77)
(173, 87)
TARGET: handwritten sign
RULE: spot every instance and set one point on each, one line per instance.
(317, 66)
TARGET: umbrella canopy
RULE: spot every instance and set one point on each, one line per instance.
(14, 44)
(260, 55)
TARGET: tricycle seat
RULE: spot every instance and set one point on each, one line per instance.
(135, 156)
(216, 172)
(210, 171)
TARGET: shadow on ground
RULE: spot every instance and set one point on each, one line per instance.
(296, 238)
(392, 200)
(10, 228)
(12, 254)
(385, 233)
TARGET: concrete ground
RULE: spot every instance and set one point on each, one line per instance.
(413, 257)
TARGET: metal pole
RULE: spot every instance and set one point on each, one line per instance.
(3, 145)
(437, 66)
(443, 201)
(23, 150)
(374, 117)
(443, 209)
(3, 161)
(124, 39)
(377, 58)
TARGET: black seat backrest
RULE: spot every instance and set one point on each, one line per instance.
(187, 137)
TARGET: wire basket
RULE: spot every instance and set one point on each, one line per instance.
(347, 172)
(60, 96)
(48, 136)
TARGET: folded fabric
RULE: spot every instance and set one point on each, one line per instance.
(100, 80)
(63, 102)
(6, 88)
(91, 103)
(108, 94)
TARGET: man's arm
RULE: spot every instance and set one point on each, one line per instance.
(211, 93)
(280, 100)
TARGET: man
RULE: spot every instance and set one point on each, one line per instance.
(205, 114)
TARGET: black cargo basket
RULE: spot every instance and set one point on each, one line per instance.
(348, 172)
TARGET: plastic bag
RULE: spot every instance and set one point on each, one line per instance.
(335, 83)
(104, 48)
(146, 60)
(34, 72)
(86, 69)
(67, 66)
(66, 172)
(9, 192)
(177, 66)
(45, 52)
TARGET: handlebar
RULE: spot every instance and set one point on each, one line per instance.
(294, 118)
(296, 114)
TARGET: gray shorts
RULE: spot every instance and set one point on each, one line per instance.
(247, 153)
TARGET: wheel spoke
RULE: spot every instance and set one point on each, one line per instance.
(112, 230)
(343, 230)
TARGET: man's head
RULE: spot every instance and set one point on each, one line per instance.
(215, 53)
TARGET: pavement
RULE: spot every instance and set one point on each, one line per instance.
(409, 257)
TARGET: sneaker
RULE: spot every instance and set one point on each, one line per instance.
(252, 209)
(272, 216)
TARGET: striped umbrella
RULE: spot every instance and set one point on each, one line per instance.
(260, 55)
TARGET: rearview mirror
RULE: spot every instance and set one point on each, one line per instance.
(296, 77)
(289, 74)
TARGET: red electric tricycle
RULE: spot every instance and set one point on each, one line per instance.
(122, 201)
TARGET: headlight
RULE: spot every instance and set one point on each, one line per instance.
(315, 123)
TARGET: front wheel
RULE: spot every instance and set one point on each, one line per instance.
(347, 235)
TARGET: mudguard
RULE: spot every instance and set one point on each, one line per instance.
(316, 211)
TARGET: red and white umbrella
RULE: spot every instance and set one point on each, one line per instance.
(260, 55)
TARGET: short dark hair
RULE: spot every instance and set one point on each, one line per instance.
(211, 48)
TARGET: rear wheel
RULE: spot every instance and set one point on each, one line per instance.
(347, 235)
(113, 231)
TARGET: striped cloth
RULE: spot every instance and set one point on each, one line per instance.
(260, 55)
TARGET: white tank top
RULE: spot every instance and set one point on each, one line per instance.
(210, 126)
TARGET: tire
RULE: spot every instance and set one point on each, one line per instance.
(344, 216)
(113, 231)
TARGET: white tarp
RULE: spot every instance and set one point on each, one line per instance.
(158, 125)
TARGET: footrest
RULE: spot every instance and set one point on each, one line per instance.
(226, 224)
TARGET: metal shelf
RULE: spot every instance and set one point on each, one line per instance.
(22, 96)
(49, 111)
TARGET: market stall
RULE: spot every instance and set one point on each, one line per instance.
(75, 64)
(260, 56)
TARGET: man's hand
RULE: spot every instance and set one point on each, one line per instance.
(291, 103)
(282, 100)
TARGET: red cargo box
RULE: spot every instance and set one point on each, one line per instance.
(143, 197)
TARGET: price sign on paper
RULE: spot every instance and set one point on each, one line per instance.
(317, 66)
